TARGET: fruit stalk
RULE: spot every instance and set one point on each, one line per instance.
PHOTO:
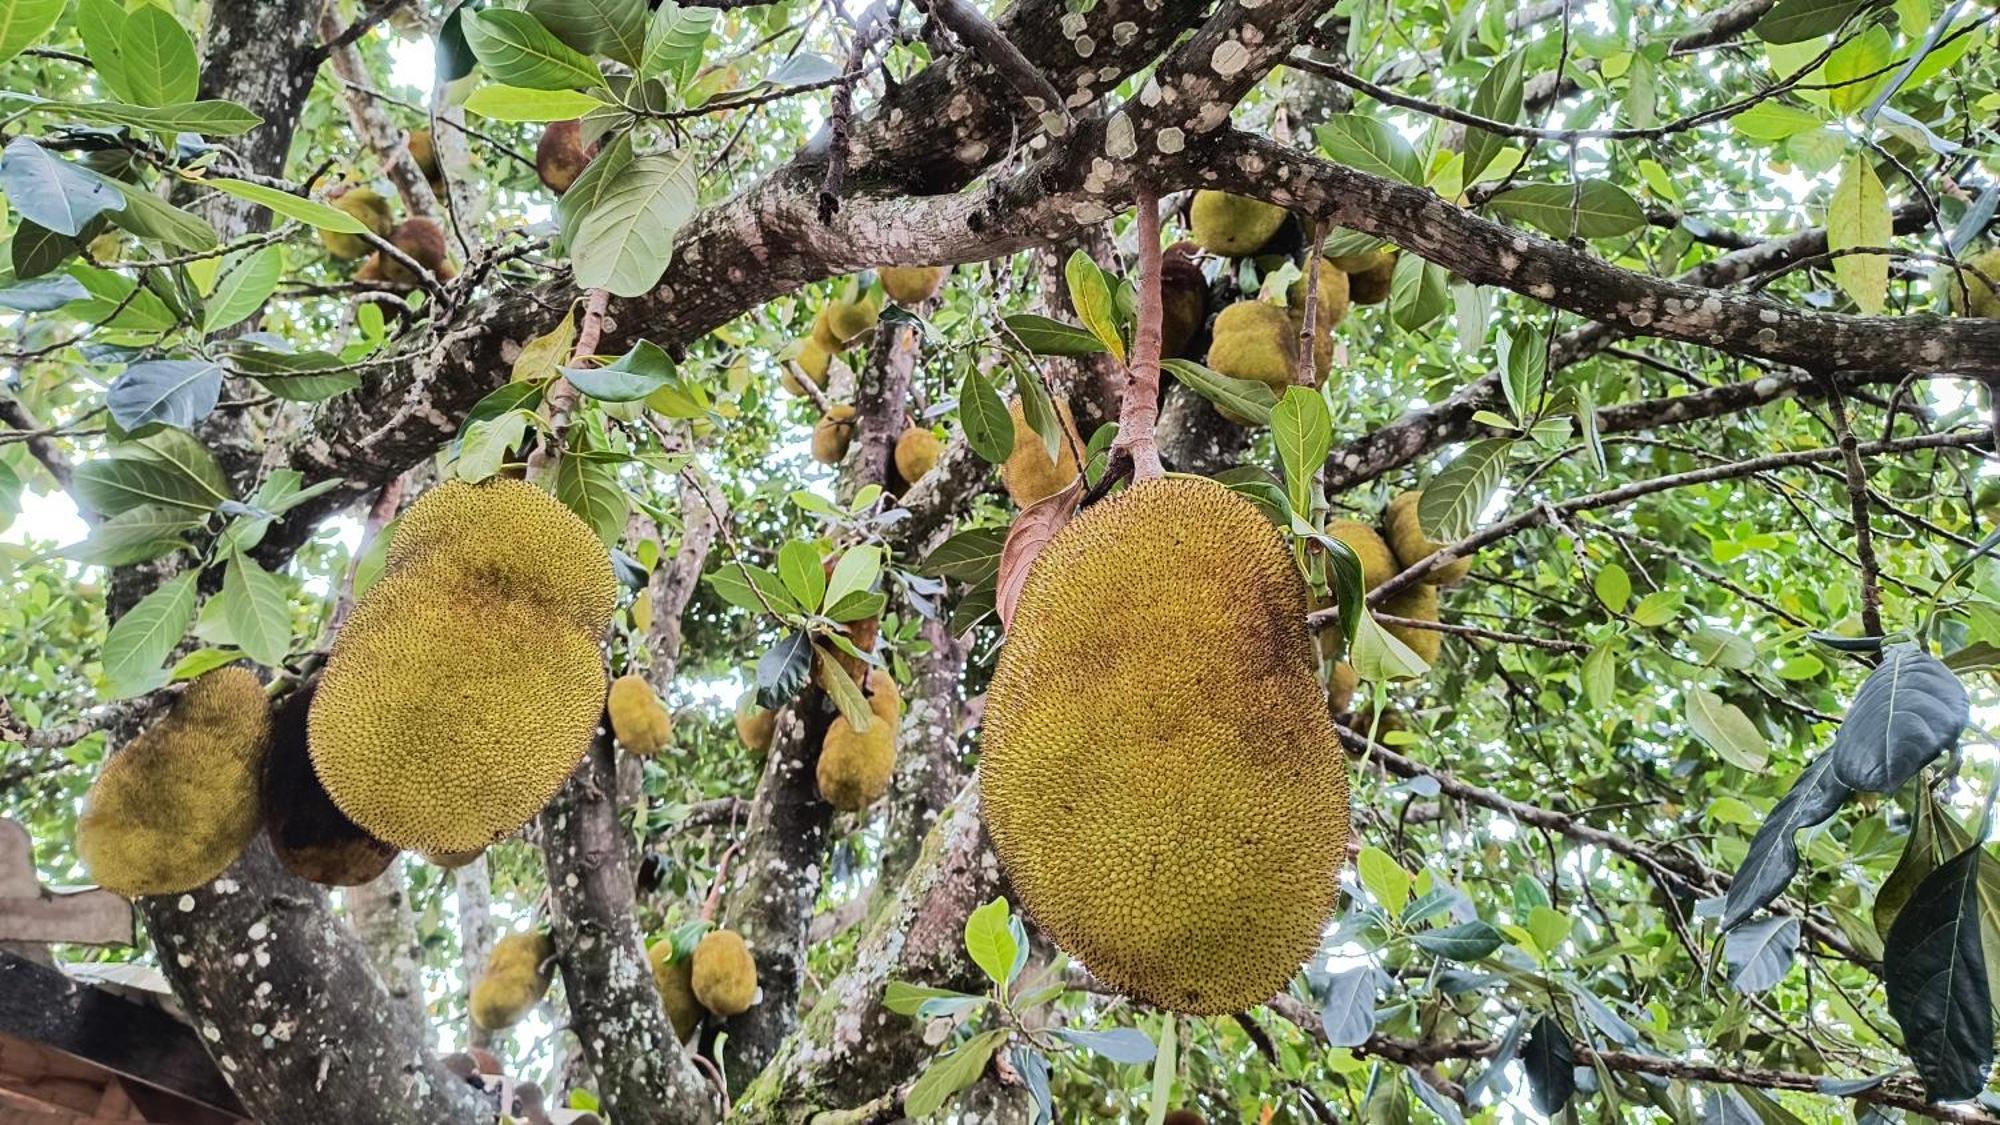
(562, 396)
(1140, 411)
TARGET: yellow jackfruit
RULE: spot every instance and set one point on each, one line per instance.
(424, 152)
(917, 452)
(452, 861)
(1028, 473)
(1159, 773)
(515, 979)
(1406, 537)
(1254, 340)
(1340, 688)
(1985, 292)
(467, 683)
(1233, 225)
(912, 285)
(368, 207)
(641, 722)
(175, 808)
(849, 319)
(724, 975)
(1332, 294)
(832, 434)
(675, 980)
(824, 335)
(812, 362)
(855, 768)
(1378, 563)
(1369, 275)
(1418, 603)
(755, 725)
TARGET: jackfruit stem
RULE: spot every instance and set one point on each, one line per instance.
(1139, 413)
(1306, 374)
(562, 396)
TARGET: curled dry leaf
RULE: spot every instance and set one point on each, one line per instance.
(1031, 532)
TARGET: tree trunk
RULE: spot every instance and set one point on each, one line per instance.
(379, 911)
(930, 766)
(473, 884)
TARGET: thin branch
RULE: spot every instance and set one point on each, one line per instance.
(562, 395)
(355, 30)
(1139, 413)
(1320, 619)
(1857, 493)
(977, 32)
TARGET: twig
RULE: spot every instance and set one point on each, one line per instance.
(41, 444)
(355, 30)
(872, 26)
(1139, 412)
(562, 395)
(1857, 494)
(1306, 373)
(991, 44)
(1320, 619)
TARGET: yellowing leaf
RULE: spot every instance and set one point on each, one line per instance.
(1858, 215)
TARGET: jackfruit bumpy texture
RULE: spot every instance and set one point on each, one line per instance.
(1255, 340)
(675, 980)
(1406, 537)
(912, 285)
(514, 980)
(467, 683)
(855, 767)
(1418, 603)
(755, 726)
(1159, 773)
(1378, 563)
(638, 718)
(724, 975)
(175, 808)
(309, 833)
(917, 453)
(1028, 473)
(1233, 225)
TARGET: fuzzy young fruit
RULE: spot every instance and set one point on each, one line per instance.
(1028, 472)
(1406, 537)
(675, 980)
(366, 206)
(912, 285)
(424, 151)
(813, 362)
(1378, 563)
(1232, 225)
(755, 725)
(1985, 292)
(423, 240)
(855, 767)
(723, 974)
(1418, 603)
(515, 979)
(1254, 340)
(641, 722)
(832, 434)
(560, 156)
(1369, 275)
(847, 320)
(917, 452)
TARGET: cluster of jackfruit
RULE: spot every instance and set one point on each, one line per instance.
(420, 238)
(722, 974)
(467, 683)
(515, 979)
(855, 766)
(1029, 473)
(1399, 544)
(1976, 295)
(640, 722)
(1159, 771)
(176, 807)
(836, 325)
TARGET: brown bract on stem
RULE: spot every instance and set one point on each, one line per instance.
(1140, 411)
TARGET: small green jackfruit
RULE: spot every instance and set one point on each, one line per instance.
(1406, 537)
(1174, 818)
(467, 683)
(849, 319)
(641, 722)
(824, 335)
(1028, 473)
(177, 806)
(1233, 225)
(675, 980)
(515, 979)
(1255, 340)
(1332, 294)
(755, 725)
(917, 453)
(724, 975)
(367, 206)
(812, 362)
(832, 434)
(1985, 293)
(1418, 603)
(912, 285)
(1369, 275)
(1378, 563)
(855, 768)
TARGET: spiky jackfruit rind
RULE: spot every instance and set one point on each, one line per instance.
(1254, 340)
(1418, 603)
(176, 807)
(917, 452)
(1370, 275)
(1378, 562)
(1159, 773)
(1028, 472)
(309, 833)
(912, 285)
(813, 362)
(514, 979)
(639, 720)
(1406, 537)
(675, 980)
(1984, 292)
(422, 239)
(467, 683)
(855, 769)
(755, 726)
(1233, 225)
(723, 974)
(824, 335)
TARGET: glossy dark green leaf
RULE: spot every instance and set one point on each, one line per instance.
(1934, 968)
(1550, 1062)
(1909, 710)
(52, 192)
(783, 669)
(176, 392)
(1773, 857)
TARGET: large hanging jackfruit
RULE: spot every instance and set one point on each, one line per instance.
(467, 683)
(176, 807)
(1159, 772)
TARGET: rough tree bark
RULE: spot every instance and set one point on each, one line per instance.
(472, 884)
(381, 915)
(930, 766)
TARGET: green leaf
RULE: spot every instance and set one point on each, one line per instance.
(855, 573)
(1657, 608)
(1858, 215)
(906, 999)
(803, 574)
(1794, 21)
(1934, 967)
(615, 28)
(1370, 144)
(1613, 587)
(140, 642)
(1302, 429)
(629, 378)
(969, 556)
(840, 687)
(989, 941)
(517, 50)
(209, 118)
(1726, 730)
(53, 192)
(522, 103)
(135, 535)
(1452, 502)
(1773, 857)
(1498, 98)
(1596, 208)
(1039, 411)
(1922, 853)
(1166, 1064)
(950, 1073)
(1090, 295)
(119, 483)
(626, 240)
(989, 428)
(1909, 710)
(675, 40)
(158, 58)
(1467, 941)
(1385, 879)
(1857, 68)
(246, 281)
(149, 216)
(1600, 676)
(1246, 399)
(24, 22)
(307, 211)
(1044, 336)
(1774, 121)
(1549, 928)
(257, 610)
(1377, 654)
(591, 490)
(101, 26)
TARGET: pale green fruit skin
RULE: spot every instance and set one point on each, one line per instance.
(1985, 298)
(1232, 225)
(374, 212)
